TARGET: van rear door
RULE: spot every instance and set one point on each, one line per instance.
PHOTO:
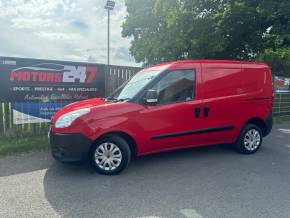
(221, 106)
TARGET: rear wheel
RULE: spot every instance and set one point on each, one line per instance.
(250, 139)
(111, 155)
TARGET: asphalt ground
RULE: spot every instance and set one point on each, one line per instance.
(201, 182)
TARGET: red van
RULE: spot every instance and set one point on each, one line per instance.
(166, 107)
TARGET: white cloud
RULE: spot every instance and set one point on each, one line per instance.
(63, 29)
(58, 36)
(28, 23)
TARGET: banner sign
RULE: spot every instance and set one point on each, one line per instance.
(282, 84)
(35, 112)
(33, 80)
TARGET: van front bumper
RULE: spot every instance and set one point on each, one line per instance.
(69, 147)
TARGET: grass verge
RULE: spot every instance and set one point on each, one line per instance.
(282, 119)
(20, 145)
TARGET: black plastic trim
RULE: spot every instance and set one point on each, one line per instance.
(69, 147)
(198, 131)
(269, 124)
(206, 111)
(254, 99)
(197, 111)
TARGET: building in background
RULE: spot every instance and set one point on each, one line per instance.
(282, 84)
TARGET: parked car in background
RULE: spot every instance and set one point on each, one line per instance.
(169, 106)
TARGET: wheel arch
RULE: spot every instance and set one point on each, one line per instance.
(127, 137)
(258, 122)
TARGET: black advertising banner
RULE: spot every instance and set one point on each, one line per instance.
(34, 80)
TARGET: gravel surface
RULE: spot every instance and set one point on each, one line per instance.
(200, 182)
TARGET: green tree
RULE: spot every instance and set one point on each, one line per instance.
(278, 59)
(206, 29)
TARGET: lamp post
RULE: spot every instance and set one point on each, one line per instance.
(109, 6)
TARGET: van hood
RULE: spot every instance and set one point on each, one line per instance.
(89, 103)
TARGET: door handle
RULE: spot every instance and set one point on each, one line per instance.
(206, 111)
(197, 111)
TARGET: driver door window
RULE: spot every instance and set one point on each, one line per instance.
(176, 86)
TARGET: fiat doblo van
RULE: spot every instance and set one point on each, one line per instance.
(166, 107)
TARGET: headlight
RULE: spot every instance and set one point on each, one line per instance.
(67, 119)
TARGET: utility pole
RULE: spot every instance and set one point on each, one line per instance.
(109, 6)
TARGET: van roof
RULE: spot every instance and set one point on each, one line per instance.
(180, 63)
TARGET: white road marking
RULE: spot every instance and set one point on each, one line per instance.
(149, 217)
(190, 213)
(287, 131)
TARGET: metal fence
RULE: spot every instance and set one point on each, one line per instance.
(9, 129)
(117, 76)
(281, 104)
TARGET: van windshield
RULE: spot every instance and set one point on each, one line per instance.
(129, 89)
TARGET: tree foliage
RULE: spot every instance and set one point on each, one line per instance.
(207, 29)
(278, 59)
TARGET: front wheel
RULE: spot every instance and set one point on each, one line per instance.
(250, 139)
(110, 155)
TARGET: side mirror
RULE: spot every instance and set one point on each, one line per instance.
(151, 97)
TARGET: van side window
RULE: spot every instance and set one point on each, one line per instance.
(176, 86)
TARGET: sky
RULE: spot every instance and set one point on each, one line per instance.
(71, 30)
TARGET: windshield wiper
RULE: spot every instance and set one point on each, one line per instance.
(116, 100)
(123, 99)
(111, 99)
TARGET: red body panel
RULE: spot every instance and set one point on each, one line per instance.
(234, 92)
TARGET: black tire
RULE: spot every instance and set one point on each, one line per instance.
(243, 146)
(124, 149)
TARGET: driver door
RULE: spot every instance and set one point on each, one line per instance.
(174, 121)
